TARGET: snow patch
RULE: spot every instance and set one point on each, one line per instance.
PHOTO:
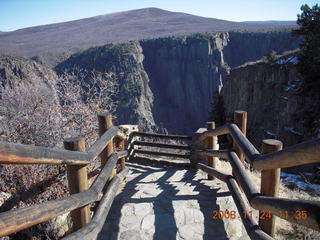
(293, 131)
(295, 179)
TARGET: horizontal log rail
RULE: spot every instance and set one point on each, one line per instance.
(161, 145)
(214, 132)
(164, 136)
(303, 153)
(22, 218)
(14, 153)
(158, 153)
(91, 230)
(213, 153)
(299, 154)
(250, 224)
(276, 206)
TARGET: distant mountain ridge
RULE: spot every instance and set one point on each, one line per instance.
(273, 22)
(116, 27)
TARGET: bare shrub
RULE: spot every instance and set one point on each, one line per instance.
(29, 114)
(82, 94)
(43, 115)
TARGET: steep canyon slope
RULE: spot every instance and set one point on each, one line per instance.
(170, 82)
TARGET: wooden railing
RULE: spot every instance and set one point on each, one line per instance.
(269, 162)
(81, 195)
(203, 151)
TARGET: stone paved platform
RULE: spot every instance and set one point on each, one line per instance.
(170, 202)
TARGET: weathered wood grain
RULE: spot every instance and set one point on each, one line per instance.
(161, 145)
(156, 135)
(167, 154)
(270, 182)
(213, 172)
(213, 153)
(243, 143)
(211, 145)
(278, 206)
(299, 154)
(92, 230)
(214, 132)
(14, 153)
(250, 224)
(240, 118)
(19, 219)
(98, 147)
(77, 182)
(242, 177)
(22, 218)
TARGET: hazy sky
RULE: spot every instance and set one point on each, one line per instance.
(16, 14)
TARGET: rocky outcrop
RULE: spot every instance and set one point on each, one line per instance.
(21, 70)
(251, 46)
(185, 72)
(268, 91)
(134, 97)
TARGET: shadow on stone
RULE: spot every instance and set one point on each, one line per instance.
(178, 212)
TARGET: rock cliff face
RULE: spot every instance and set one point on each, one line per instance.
(268, 91)
(251, 46)
(134, 97)
(184, 73)
(19, 69)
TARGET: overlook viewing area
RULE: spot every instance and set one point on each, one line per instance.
(157, 186)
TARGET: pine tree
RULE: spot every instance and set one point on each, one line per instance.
(309, 59)
(217, 111)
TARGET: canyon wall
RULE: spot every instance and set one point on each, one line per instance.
(268, 91)
(169, 83)
(184, 72)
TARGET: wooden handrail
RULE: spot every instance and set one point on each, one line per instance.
(161, 145)
(243, 143)
(91, 230)
(213, 153)
(101, 143)
(272, 204)
(214, 132)
(213, 172)
(250, 224)
(29, 216)
(242, 177)
(303, 153)
(161, 153)
(290, 209)
(156, 135)
(299, 154)
(14, 153)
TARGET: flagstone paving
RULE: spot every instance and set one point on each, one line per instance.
(160, 201)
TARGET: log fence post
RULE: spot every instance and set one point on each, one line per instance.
(212, 144)
(270, 180)
(120, 146)
(240, 118)
(105, 122)
(77, 182)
